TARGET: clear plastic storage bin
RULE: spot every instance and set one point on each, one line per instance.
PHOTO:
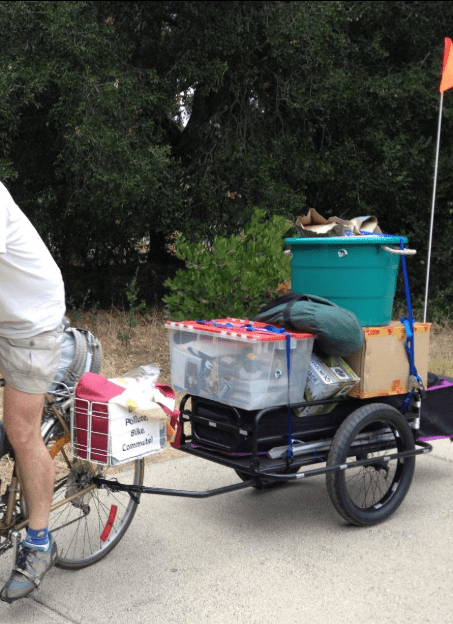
(238, 363)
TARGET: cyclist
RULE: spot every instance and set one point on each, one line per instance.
(32, 305)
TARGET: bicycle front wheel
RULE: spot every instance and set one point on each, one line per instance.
(88, 521)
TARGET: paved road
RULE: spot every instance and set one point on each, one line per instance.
(262, 557)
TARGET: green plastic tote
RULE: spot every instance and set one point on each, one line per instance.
(356, 272)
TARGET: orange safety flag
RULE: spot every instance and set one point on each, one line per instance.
(447, 67)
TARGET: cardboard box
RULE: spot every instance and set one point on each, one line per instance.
(326, 378)
(383, 364)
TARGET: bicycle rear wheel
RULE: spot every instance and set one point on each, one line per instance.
(88, 526)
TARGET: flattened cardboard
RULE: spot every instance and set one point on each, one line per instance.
(382, 363)
(315, 225)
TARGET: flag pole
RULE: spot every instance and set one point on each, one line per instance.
(445, 83)
(436, 167)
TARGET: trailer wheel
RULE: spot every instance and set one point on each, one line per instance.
(368, 494)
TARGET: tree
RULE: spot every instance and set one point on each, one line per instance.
(331, 105)
(83, 150)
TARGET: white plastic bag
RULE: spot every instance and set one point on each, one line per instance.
(141, 395)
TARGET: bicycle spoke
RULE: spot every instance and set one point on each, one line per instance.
(86, 528)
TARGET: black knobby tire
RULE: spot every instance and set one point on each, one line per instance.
(88, 527)
(367, 495)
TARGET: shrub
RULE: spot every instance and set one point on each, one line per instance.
(234, 276)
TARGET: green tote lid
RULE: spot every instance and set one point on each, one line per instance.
(347, 240)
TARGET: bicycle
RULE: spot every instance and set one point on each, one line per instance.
(87, 519)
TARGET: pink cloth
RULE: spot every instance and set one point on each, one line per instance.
(92, 387)
(444, 383)
(433, 438)
(175, 423)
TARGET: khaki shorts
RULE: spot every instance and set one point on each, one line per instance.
(30, 364)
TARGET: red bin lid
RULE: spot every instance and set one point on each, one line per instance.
(239, 328)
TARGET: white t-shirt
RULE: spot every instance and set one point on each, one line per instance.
(32, 298)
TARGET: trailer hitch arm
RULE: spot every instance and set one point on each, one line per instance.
(116, 486)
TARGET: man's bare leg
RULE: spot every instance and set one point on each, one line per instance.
(22, 421)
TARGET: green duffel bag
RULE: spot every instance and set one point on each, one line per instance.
(337, 330)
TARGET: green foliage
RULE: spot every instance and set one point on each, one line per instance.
(234, 276)
(75, 310)
(291, 105)
(84, 154)
(134, 306)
